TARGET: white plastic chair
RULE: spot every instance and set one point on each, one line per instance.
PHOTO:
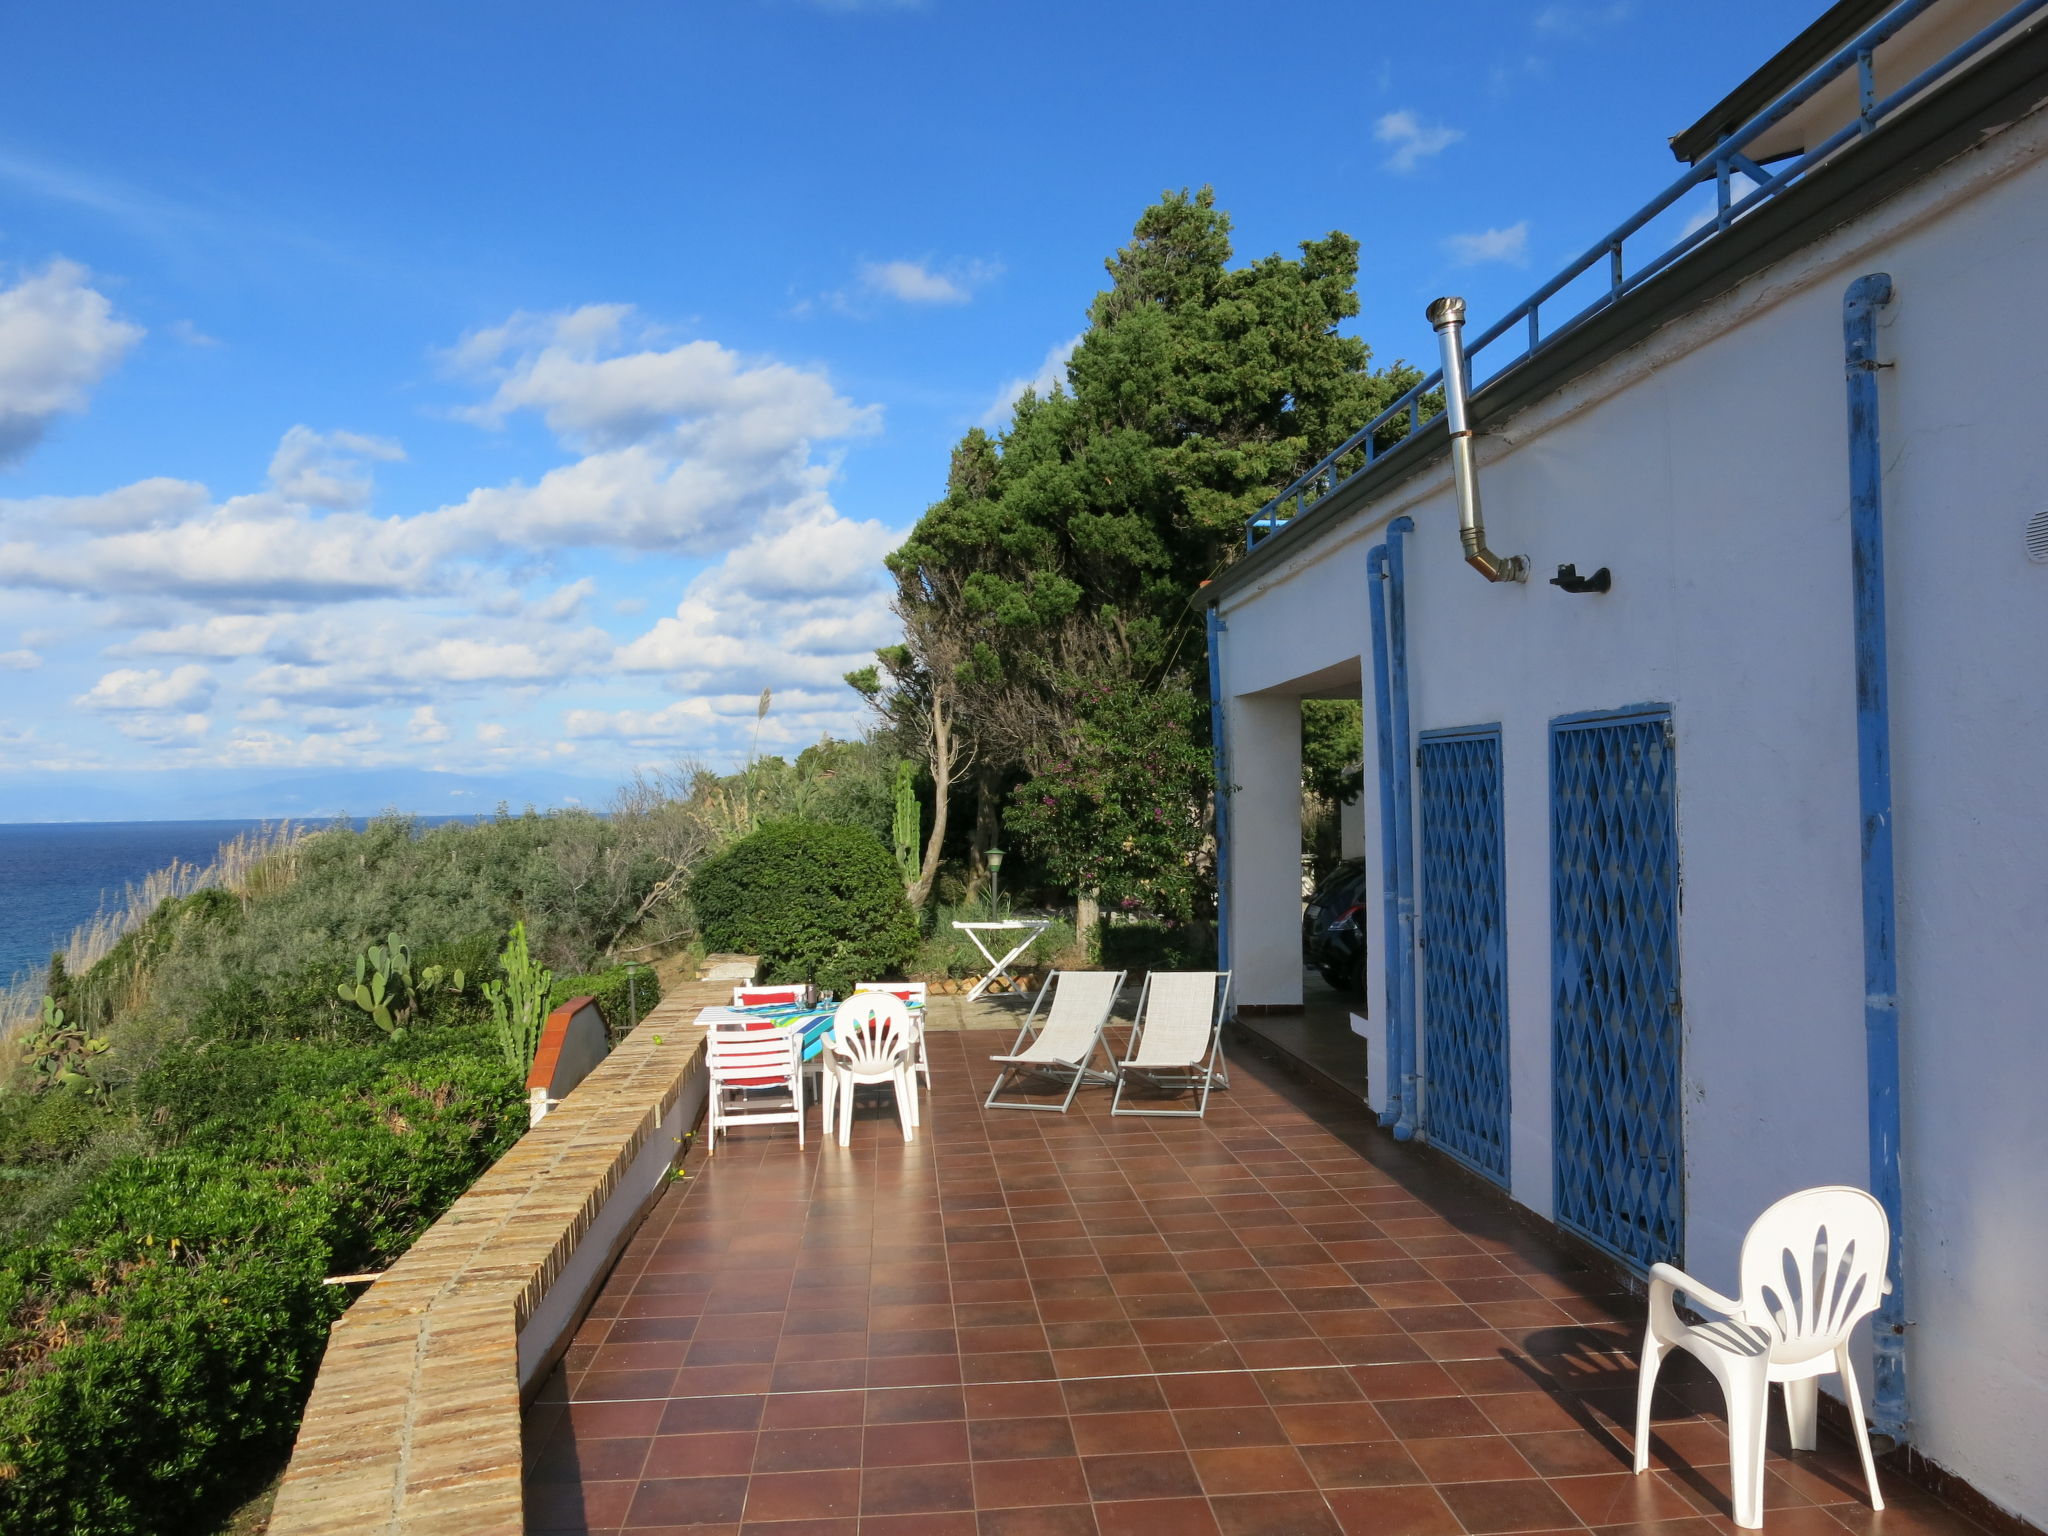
(871, 1042)
(915, 995)
(756, 1079)
(1081, 1001)
(1813, 1266)
(1177, 1041)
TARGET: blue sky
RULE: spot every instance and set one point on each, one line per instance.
(472, 387)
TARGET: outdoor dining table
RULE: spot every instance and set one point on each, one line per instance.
(814, 1021)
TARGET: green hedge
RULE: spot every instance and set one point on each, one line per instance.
(161, 1342)
(1152, 945)
(817, 903)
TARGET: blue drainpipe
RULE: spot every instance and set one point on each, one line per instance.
(1404, 824)
(1390, 897)
(1397, 819)
(1220, 762)
(1860, 304)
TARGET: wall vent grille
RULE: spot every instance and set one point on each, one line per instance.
(2037, 538)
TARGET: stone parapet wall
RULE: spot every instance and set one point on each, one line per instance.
(414, 1422)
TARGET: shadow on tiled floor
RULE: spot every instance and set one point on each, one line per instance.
(1272, 1323)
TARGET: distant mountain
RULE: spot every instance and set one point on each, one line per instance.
(311, 794)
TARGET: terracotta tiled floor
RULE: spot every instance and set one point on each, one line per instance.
(1276, 1322)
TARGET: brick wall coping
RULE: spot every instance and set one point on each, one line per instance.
(413, 1428)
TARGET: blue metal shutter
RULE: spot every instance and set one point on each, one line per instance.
(1615, 1000)
(1464, 949)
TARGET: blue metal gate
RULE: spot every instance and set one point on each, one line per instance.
(1464, 949)
(1614, 977)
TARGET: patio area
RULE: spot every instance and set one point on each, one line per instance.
(1275, 1322)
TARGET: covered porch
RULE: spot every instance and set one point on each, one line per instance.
(1275, 1322)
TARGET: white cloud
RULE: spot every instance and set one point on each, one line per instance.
(223, 635)
(570, 367)
(191, 335)
(58, 338)
(128, 688)
(796, 609)
(325, 469)
(316, 749)
(828, 556)
(405, 661)
(20, 661)
(641, 497)
(326, 720)
(163, 730)
(248, 549)
(1411, 140)
(799, 717)
(154, 503)
(1052, 373)
(1510, 245)
(562, 603)
(913, 282)
(226, 610)
(686, 450)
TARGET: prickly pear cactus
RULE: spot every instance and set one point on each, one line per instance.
(386, 989)
(62, 1055)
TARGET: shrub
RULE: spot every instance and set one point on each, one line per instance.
(624, 994)
(817, 903)
(1150, 945)
(160, 1344)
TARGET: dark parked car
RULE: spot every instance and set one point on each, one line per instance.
(1333, 927)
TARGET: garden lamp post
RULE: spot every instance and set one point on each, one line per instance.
(995, 875)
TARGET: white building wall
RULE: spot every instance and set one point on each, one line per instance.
(1708, 469)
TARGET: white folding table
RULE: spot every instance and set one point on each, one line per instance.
(1030, 927)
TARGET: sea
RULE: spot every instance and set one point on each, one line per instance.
(56, 876)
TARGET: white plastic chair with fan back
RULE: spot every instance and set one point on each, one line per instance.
(916, 997)
(872, 1041)
(1813, 1266)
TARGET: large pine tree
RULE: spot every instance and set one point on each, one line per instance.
(1046, 596)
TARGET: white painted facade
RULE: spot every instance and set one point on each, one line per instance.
(1708, 468)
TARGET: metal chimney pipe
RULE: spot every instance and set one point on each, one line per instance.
(1448, 317)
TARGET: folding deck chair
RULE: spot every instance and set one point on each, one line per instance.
(1177, 1041)
(1072, 1034)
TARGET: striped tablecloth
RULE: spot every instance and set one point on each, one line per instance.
(816, 1023)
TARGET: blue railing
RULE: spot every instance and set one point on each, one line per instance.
(1363, 448)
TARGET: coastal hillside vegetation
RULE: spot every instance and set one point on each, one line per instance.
(258, 1076)
(257, 1086)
